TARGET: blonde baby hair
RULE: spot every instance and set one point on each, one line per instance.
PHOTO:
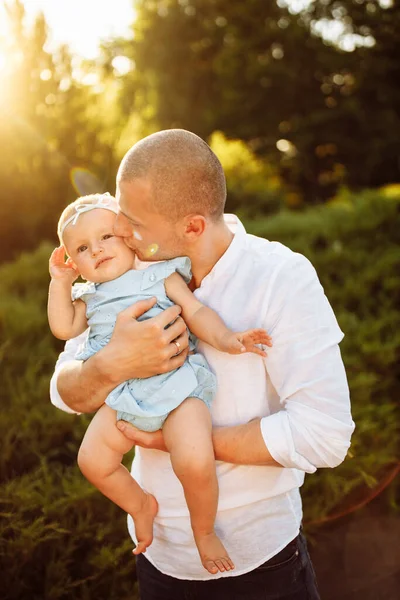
(71, 212)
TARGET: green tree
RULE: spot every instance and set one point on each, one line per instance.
(49, 124)
(261, 74)
(240, 68)
(366, 123)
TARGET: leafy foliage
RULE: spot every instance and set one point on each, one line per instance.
(310, 117)
(49, 124)
(259, 73)
(253, 186)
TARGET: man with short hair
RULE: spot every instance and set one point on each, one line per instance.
(274, 419)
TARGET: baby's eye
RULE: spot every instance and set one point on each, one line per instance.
(107, 236)
(82, 248)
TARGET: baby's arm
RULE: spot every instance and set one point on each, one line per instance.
(208, 326)
(67, 319)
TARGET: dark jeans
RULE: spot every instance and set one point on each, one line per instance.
(287, 576)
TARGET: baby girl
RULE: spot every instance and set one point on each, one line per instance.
(178, 402)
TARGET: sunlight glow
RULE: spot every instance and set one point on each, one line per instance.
(151, 250)
(82, 24)
(122, 65)
(286, 147)
(4, 71)
(85, 182)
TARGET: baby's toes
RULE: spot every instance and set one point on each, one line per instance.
(211, 566)
(140, 548)
(220, 564)
(229, 566)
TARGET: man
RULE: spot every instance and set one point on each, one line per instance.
(274, 418)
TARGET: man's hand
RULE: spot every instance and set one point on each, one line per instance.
(137, 349)
(144, 439)
(140, 349)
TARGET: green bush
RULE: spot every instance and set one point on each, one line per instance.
(59, 538)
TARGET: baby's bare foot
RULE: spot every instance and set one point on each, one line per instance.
(213, 554)
(144, 523)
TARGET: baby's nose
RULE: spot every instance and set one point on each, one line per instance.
(96, 250)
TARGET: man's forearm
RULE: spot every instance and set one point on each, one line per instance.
(242, 445)
(84, 386)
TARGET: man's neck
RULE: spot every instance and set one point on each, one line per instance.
(207, 253)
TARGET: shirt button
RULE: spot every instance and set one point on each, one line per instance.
(152, 277)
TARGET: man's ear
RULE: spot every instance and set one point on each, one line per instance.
(194, 226)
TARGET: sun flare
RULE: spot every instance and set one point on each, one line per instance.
(81, 25)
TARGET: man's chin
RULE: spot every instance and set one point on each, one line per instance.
(147, 259)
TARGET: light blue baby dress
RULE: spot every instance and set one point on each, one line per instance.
(145, 403)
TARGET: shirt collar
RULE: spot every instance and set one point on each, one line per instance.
(232, 253)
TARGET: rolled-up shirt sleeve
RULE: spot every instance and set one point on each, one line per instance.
(314, 426)
(66, 357)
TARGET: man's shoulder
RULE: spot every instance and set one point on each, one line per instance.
(268, 253)
(272, 262)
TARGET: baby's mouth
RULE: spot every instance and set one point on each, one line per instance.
(103, 260)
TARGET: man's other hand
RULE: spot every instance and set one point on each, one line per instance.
(144, 439)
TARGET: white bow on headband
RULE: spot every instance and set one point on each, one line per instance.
(105, 201)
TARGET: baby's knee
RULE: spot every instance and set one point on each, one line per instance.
(198, 468)
(86, 462)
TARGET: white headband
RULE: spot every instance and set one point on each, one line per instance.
(105, 201)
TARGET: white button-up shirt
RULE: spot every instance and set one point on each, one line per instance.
(299, 391)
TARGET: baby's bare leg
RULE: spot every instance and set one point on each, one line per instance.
(99, 459)
(187, 435)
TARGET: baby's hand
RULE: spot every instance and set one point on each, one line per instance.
(245, 341)
(61, 269)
